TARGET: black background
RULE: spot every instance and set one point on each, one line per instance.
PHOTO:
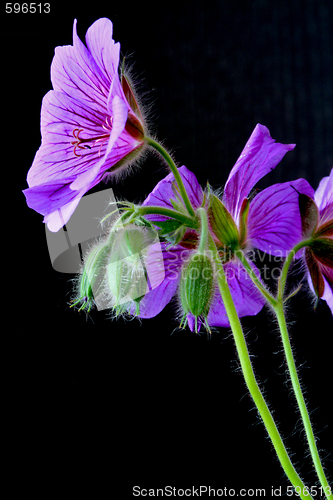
(148, 404)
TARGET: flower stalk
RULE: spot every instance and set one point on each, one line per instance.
(250, 379)
(278, 308)
(167, 212)
(279, 312)
(165, 155)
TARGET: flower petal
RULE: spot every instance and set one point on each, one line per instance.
(45, 198)
(164, 191)
(260, 155)
(155, 301)
(61, 119)
(75, 73)
(324, 199)
(247, 299)
(274, 222)
(328, 279)
(119, 113)
(103, 48)
(61, 216)
(324, 194)
(55, 200)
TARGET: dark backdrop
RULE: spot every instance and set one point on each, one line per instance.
(149, 404)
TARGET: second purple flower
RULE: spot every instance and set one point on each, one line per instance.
(270, 222)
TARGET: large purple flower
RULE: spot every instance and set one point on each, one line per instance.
(273, 226)
(318, 226)
(91, 125)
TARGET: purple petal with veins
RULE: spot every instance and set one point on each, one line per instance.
(260, 155)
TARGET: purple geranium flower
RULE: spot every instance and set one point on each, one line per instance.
(319, 254)
(273, 226)
(91, 125)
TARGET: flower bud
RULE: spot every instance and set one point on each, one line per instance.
(91, 279)
(197, 286)
(126, 270)
(126, 283)
(223, 224)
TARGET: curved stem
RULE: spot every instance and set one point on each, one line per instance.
(160, 149)
(277, 305)
(250, 379)
(255, 278)
(279, 311)
(286, 265)
(167, 212)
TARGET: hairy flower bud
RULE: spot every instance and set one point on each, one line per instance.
(92, 276)
(223, 224)
(126, 270)
(197, 286)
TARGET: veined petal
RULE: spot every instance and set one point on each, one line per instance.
(324, 194)
(62, 120)
(61, 216)
(260, 155)
(163, 191)
(247, 299)
(103, 48)
(274, 222)
(155, 301)
(119, 111)
(324, 199)
(328, 295)
(119, 114)
(46, 198)
(75, 73)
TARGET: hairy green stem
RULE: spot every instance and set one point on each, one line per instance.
(167, 212)
(250, 379)
(279, 311)
(268, 296)
(160, 149)
(278, 308)
(286, 265)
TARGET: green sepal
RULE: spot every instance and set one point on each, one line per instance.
(325, 229)
(244, 212)
(129, 94)
(223, 224)
(309, 215)
(177, 205)
(167, 226)
(322, 249)
(315, 273)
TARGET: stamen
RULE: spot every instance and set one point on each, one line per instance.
(78, 141)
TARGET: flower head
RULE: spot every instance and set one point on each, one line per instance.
(91, 125)
(317, 228)
(270, 222)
